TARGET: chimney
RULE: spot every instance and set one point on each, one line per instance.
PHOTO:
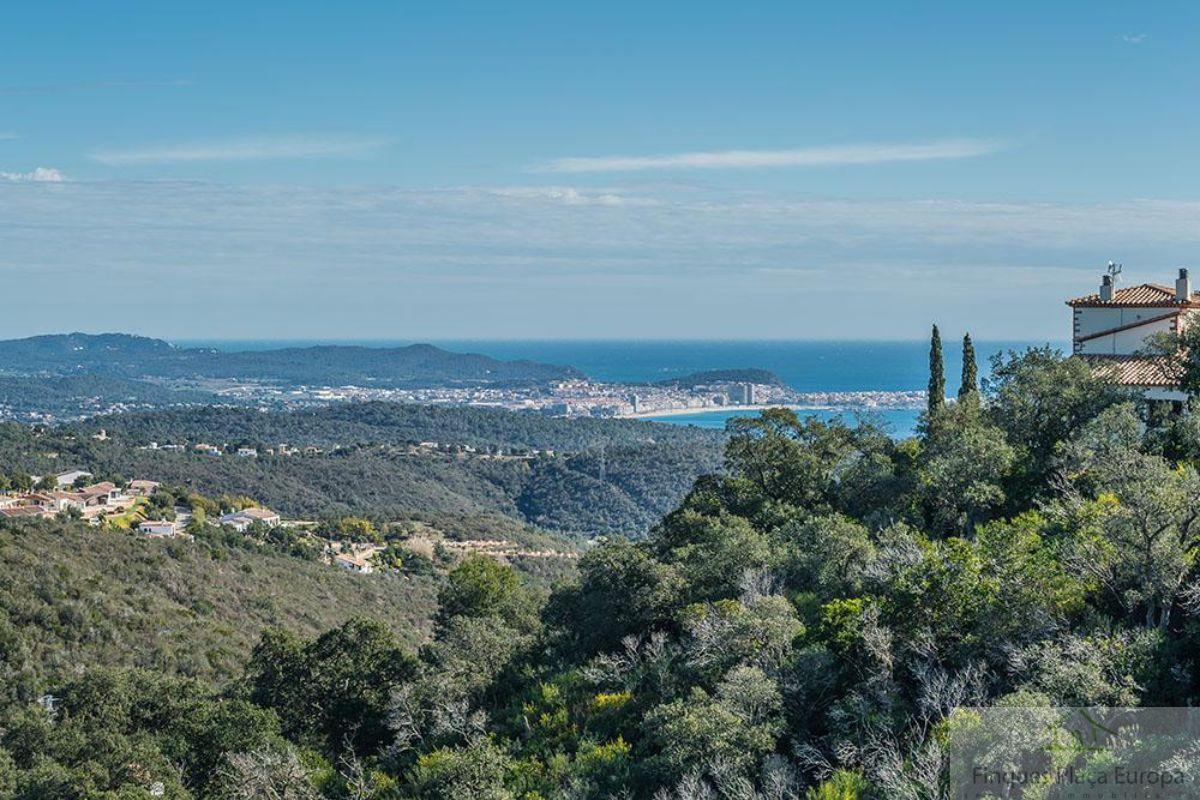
(1106, 289)
(1183, 286)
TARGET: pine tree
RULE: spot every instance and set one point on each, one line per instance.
(968, 391)
(937, 372)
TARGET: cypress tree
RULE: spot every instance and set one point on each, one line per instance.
(937, 372)
(969, 389)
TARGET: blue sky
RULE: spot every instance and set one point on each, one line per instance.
(559, 170)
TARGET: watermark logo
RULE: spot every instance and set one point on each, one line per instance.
(1073, 753)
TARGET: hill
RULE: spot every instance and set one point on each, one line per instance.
(69, 396)
(391, 423)
(589, 477)
(72, 595)
(127, 356)
(832, 618)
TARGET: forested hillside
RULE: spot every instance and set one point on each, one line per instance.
(74, 597)
(603, 476)
(23, 397)
(803, 626)
(391, 423)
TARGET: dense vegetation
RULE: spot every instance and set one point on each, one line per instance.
(24, 397)
(391, 423)
(802, 626)
(125, 356)
(73, 596)
(605, 476)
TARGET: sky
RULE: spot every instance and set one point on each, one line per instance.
(402, 170)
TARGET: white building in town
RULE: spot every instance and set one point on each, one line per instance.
(1111, 329)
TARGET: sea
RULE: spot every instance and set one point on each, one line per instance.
(806, 366)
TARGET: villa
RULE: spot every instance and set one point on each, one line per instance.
(1112, 328)
(159, 528)
(241, 520)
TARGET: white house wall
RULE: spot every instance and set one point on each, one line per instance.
(1094, 320)
(1127, 342)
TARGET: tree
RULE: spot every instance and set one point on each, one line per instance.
(333, 690)
(968, 390)
(1144, 533)
(482, 587)
(962, 469)
(937, 373)
(786, 459)
(1040, 398)
(1178, 354)
(477, 770)
(265, 774)
(198, 521)
(622, 590)
(730, 729)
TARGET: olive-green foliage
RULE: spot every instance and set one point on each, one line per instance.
(604, 476)
(333, 690)
(128, 731)
(479, 587)
(937, 373)
(71, 595)
(968, 388)
(804, 625)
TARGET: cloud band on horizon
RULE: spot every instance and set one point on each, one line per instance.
(838, 155)
(247, 149)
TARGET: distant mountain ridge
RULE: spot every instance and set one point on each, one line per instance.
(128, 356)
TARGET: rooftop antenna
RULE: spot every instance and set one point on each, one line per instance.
(1114, 269)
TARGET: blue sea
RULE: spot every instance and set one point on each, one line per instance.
(807, 366)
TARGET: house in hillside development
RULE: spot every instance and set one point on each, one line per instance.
(142, 488)
(69, 477)
(159, 528)
(34, 512)
(241, 520)
(354, 562)
(66, 501)
(99, 494)
(1112, 328)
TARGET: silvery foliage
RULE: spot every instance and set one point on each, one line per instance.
(640, 661)
(265, 774)
(909, 764)
(417, 719)
(777, 780)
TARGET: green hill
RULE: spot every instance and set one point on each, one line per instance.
(72, 596)
(604, 476)
(123, 355)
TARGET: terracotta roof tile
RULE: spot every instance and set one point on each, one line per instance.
(1146, 294)
(1131, 370)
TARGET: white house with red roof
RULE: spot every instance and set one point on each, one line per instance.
(1111, 329)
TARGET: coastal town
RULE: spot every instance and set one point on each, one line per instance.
(575, 398)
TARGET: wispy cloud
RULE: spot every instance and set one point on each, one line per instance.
(838, 155)
(37, 175)
(7, 136)
(570, 195)
(1134, 38)
(564, 260)
(246, 149)
(89, 86)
